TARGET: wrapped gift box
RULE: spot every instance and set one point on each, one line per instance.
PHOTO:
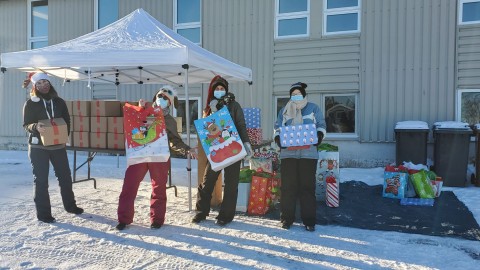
(259, 201)
(252, 117)
(255, 135)
(298, 135)
(220, 140)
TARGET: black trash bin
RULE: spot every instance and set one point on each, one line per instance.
(411, 142)
(452, 140)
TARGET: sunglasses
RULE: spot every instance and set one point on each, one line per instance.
(162, 96)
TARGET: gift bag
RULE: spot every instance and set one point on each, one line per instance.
(261, 164)
(145, 135)
(270, 154)
(394, 184)
(259, 201)
(298, 135)
(422, 185)
(275, 192)
(220, 140)
(328, 164)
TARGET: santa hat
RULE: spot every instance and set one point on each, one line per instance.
(300, 86)
(39, 76)
(170, 93)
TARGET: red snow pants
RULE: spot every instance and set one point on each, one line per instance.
(158, 200)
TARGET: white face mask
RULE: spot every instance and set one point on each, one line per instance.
(162, 103)
(219, 93)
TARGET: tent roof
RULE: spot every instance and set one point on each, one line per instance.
(134, 49)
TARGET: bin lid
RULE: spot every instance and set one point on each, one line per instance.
(411, 125)
(452, 125)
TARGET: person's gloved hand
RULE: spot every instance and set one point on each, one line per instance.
(320, 137)
(248, 148)
(193, 153)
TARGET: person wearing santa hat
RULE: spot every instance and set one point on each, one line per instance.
(44, 103)
(299, 163)
(218, 97)
(165, 98)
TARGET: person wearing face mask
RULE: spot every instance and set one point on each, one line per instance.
(218, 97)
(299, 163)
(44, 103)
(165, 98)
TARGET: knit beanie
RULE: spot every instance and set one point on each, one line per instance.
(300, 86)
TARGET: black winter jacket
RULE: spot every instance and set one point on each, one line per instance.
(35, 111)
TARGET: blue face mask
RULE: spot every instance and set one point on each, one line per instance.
(219, 93)
(296, 98)
(162, 103)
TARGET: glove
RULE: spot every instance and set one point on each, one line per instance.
(320, 138)
(248, 148)
(277, 141)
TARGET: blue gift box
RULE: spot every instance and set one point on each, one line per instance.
(252, 117)
(417, 201)
(298, 135)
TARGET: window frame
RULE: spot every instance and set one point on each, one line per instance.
(199, 112)
(95, 14)
(339, 11)
(275, 104)
(191, 25)
(460, 12)
(458, 107)
(30, 38)
(335, 135)
(291, 15)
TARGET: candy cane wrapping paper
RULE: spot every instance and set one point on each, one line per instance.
(333, 194)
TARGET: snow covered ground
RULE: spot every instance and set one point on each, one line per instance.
(89, 241)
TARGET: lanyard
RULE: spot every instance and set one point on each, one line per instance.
(51, 105)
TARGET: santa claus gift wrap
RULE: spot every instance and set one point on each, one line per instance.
(145, 135)
(220, 140)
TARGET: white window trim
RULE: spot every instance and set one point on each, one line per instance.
(199, 108)
(460, 12)
(29, 26)
(291, 15)
(179, 26)
(331, 135)
(458, 107)
(337, 11)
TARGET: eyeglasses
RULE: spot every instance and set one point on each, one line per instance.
(162, 96)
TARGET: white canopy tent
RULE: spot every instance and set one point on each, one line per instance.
(136, 49)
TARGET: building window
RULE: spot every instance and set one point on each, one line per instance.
(38, 24)
(469, 11)
(340, 114)
(280, 102)
(195, 112)
(468, 106)
(341, 16)
(106, 12)
(292, 18)
(187, 19)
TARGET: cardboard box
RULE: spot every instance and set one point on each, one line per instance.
(98, 124)
(105, 108)
(69, 106)
(98, 140)
(81, 123)
(56, 132)
(116, 141)
(81, 108)
(115, 124)
(80, 139)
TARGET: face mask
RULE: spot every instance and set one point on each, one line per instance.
(296, 98)
(219, 93)
(162, 103)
